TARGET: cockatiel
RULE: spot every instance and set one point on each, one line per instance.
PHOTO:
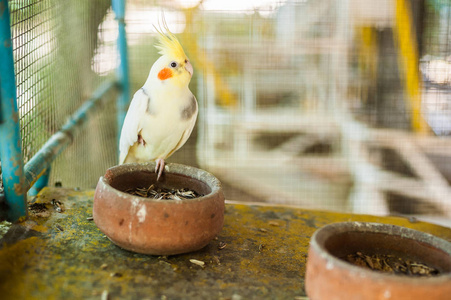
(163, 112)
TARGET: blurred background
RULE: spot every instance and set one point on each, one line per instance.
(341, 105)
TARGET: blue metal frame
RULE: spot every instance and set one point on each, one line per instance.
(10, 139)
(41, 183)
(122, 72)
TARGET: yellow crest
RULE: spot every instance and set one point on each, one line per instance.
(168, 44)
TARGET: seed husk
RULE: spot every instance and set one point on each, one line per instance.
(197, 262)
(222, 245)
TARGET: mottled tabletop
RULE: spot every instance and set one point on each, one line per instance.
(261, 253)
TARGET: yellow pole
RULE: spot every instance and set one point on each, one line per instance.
(405, 37)
(199, 58)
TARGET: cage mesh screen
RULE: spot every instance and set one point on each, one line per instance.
(301, 102)
(55, 47)
(34, 51)
(436, 66)
(258, 84)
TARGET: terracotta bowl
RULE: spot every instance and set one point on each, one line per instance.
(329, 277)
(158, 227)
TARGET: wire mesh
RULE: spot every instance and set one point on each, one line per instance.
(301, 102)
(436, 66)
(258, 85)
(34, 48)
(289, 92)
(56, 46)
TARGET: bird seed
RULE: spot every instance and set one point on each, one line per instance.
(160, 193)
(390, 264)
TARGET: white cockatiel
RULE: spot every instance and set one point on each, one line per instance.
(163, 112)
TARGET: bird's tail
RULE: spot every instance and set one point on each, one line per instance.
(122, 157)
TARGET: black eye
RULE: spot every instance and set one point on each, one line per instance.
(173, 64)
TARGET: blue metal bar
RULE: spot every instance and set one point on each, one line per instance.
(122, 72)
(41, 161)
(41, 183)
(10, 140)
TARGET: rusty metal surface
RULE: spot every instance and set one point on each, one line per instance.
(260, 254)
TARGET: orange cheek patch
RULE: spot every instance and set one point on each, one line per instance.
(165, 74)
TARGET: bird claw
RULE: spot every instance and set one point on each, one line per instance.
(141, 140)
(159, 168)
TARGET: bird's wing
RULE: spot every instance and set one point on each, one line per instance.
(188, 130)
(132, 123)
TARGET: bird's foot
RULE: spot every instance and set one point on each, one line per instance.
(159, 168)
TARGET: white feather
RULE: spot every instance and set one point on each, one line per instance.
(132, 125)
(163, 130)
(159, 123)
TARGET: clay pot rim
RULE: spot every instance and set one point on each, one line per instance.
(320, 236)
(172, 168)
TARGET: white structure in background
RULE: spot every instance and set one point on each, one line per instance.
(140, 25)
(295, 84)
(290, 83)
